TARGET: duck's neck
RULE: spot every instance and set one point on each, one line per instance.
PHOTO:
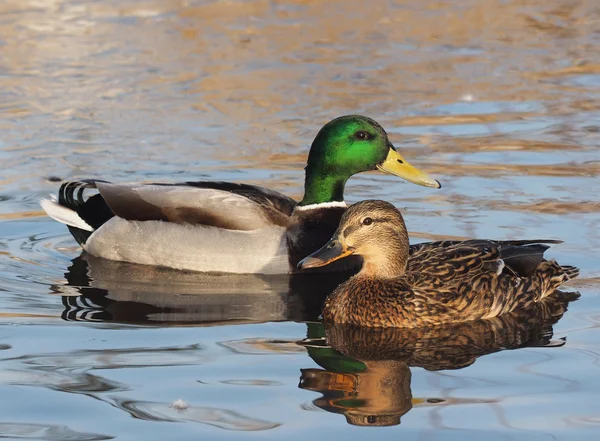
(387, 260)
(321, 187)
(382, 270)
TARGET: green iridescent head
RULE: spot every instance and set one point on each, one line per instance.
(349, 145)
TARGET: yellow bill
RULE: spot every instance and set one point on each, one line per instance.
(396, 165)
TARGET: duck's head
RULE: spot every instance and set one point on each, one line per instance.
(374, 230)
(349, 145)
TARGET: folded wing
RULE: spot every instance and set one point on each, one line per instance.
(186, 204)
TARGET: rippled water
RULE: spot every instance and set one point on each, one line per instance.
(499, 100)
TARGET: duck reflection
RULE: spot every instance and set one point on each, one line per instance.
(366, 371)
(103, 290)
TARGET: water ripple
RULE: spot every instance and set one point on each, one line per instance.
(253, 382)
(258, 346)
(119, 358)
(46, 432)
(80, 383)
(222, 418)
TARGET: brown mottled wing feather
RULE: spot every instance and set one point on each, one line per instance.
(189, 204)
(448, 263)
(457, 281)
(522, 257)
(470, 280)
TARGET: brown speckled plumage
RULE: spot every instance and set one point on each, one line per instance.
(441, 282)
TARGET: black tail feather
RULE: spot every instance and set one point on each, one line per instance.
(523, 259)
(93, 209)
(81, 236)
(528, 242)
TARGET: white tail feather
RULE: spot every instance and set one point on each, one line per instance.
(64, 215)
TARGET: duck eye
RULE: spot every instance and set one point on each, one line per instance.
(363, 135)
(367, 221)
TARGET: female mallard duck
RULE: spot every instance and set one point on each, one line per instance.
(225, 227)
(431, 283)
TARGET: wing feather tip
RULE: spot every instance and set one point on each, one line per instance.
(64, 215)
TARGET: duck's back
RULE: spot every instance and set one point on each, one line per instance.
(449, 282)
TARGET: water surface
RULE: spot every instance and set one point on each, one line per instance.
(498, 100)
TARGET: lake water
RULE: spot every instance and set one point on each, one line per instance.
(499, 100)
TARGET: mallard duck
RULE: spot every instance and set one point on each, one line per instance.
(432, 283)
(228, 227)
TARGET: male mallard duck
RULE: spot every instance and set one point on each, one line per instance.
(225, 227)
(432, 283)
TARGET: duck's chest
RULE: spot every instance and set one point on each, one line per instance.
(368, 303)
(353, 304)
